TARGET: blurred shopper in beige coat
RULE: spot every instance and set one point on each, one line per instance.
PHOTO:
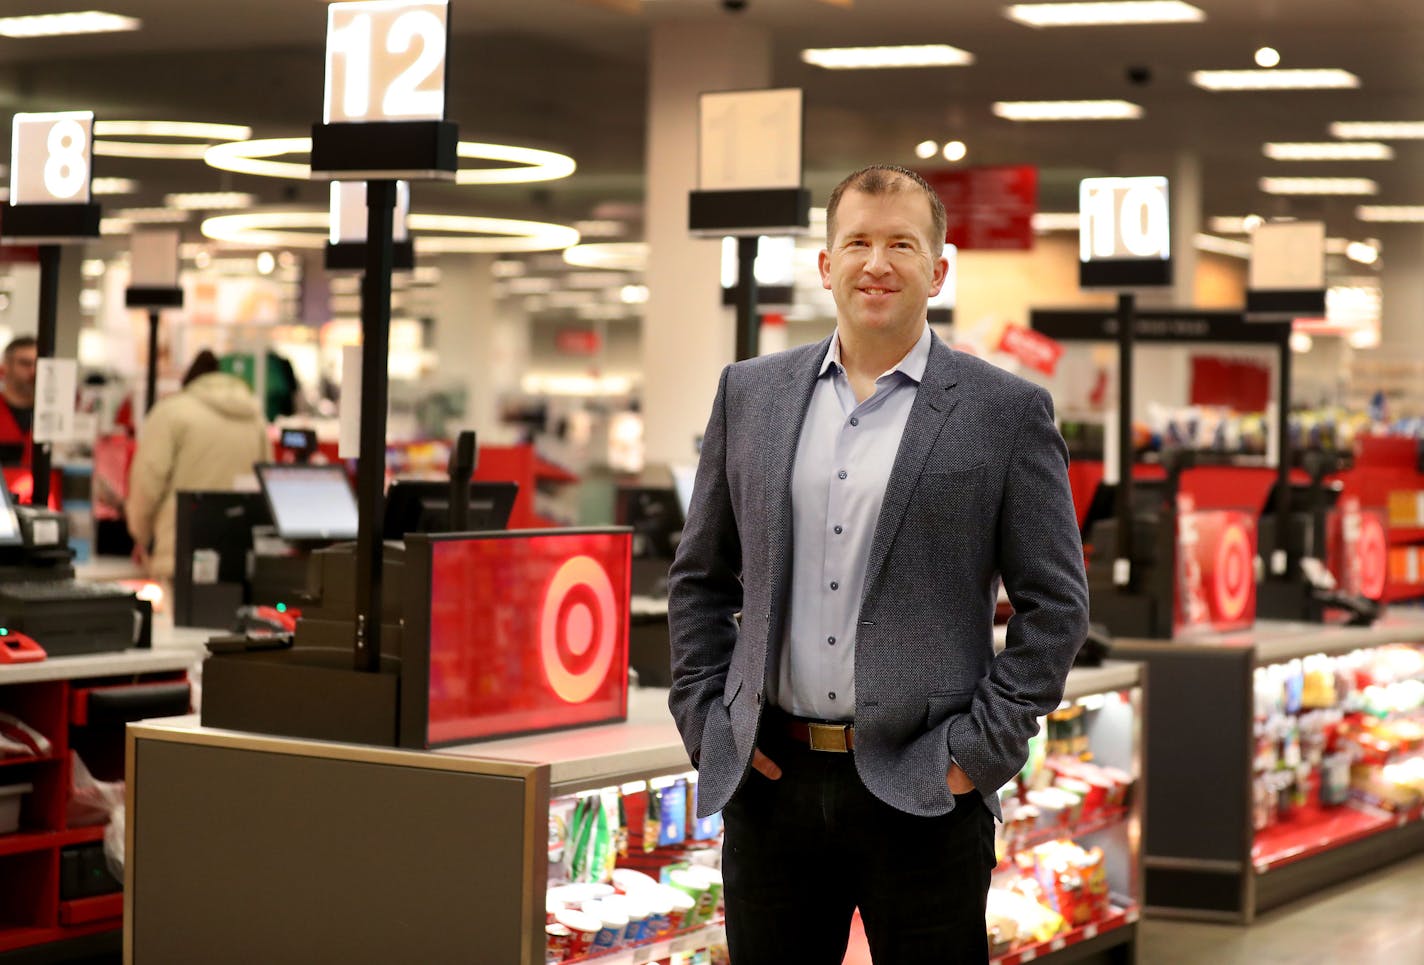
(204, 437)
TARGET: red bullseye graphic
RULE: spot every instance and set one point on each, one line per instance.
(578, 631)
(1233, 577)
(1372, 555)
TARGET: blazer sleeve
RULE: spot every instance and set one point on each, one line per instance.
(1041, 563)
(704, 586)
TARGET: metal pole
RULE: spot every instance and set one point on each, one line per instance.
(1283, 447)
(151, 392)
(748, 322)
(371, 465)
(44, 348)
(1126, 318)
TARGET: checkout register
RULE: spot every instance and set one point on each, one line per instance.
(41, 600)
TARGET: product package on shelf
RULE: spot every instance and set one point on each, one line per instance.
(634, 868)
(1339, 748)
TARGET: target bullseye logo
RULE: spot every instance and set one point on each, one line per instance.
(1233, 576)
(578, 630)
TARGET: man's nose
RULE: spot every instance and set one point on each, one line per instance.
(878, 261)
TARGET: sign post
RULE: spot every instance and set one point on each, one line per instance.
(383, 121)
(749, 183)
(153, 285)
(51, 168)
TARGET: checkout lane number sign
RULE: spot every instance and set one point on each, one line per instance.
(385, 61)
(51, 158)
(1123, 219)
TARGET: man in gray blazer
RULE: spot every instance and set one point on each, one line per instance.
(832, 601)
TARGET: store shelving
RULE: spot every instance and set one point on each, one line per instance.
(1208, 854)
(281, 816)
(44, 695)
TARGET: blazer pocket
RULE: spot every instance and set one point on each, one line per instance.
(733, 687)
(944, 704)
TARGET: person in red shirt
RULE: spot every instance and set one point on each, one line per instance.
(17, 400)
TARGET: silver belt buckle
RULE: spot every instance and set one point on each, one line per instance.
(828, 737)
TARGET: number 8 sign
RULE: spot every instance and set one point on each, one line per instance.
(50, 160)
(385, 61)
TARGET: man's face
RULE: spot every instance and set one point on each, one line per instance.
(20, 370)
(881, 266)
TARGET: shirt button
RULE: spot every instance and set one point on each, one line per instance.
(835, 585)
(841, 474)
(854, 421)
(839, 530)
(831, 641)
(832, 695)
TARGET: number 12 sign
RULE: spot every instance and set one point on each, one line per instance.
(1124, 232)
(50, 161)
(385, 61)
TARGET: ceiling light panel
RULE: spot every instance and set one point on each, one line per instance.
(1318, 186)
(1329, 151)
(1230, 225)
(1329, 78)
(58, 24)
(1105, 110)
(870, 58)
(1222, 246)
(113, 186)
(1044, 221)
(1391, 213)
(151, 215)
(1104, 14)
(1378, 130)
(209, 200)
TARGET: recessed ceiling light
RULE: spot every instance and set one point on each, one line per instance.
(1318, 186)
(113, 186)
(1222, 246)
(1327, 78)
(1268, 57)
(926, 150)
(1330, 151)
(56, 24)
(1104, 14)
(1361, 252)
(209, 200)
(1251, 222)
(616, 255)
(1378, 130)
(1044, 221)
(1107, 110)
(1391, 213)
(151, 215)
(868, 58)
(955, 151)
(1231, 225)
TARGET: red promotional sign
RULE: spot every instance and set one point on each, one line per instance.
(528, 632)
(1358, 553)
(577, 341)
(1033, 349)
(1216, 568)
(989, 208)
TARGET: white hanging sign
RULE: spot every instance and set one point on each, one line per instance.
(385, 61)
(51, 158)
(749, 139)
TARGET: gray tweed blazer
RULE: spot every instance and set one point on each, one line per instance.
(979, 491)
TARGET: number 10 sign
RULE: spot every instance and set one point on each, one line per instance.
(1124, 233)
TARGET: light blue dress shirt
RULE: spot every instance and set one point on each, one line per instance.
(843, 463)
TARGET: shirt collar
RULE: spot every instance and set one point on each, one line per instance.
(912, 365)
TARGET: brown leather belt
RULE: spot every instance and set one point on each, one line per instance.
(834, 738)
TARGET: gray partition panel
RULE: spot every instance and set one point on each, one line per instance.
(358, 862)
(1197, 751)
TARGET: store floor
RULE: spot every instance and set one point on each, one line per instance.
(1373, 920)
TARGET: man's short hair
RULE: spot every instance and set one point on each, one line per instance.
(878, 179)
(19, 342)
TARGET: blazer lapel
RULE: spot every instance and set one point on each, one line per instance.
(784, 418)
(934, 401)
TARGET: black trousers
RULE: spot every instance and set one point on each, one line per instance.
(803, 852)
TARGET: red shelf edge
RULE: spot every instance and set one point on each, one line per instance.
(1382, 822)
(17, 761)
(1120, 918)
(1405, 534)
(86, 911)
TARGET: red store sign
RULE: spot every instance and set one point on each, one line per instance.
(989, 208)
